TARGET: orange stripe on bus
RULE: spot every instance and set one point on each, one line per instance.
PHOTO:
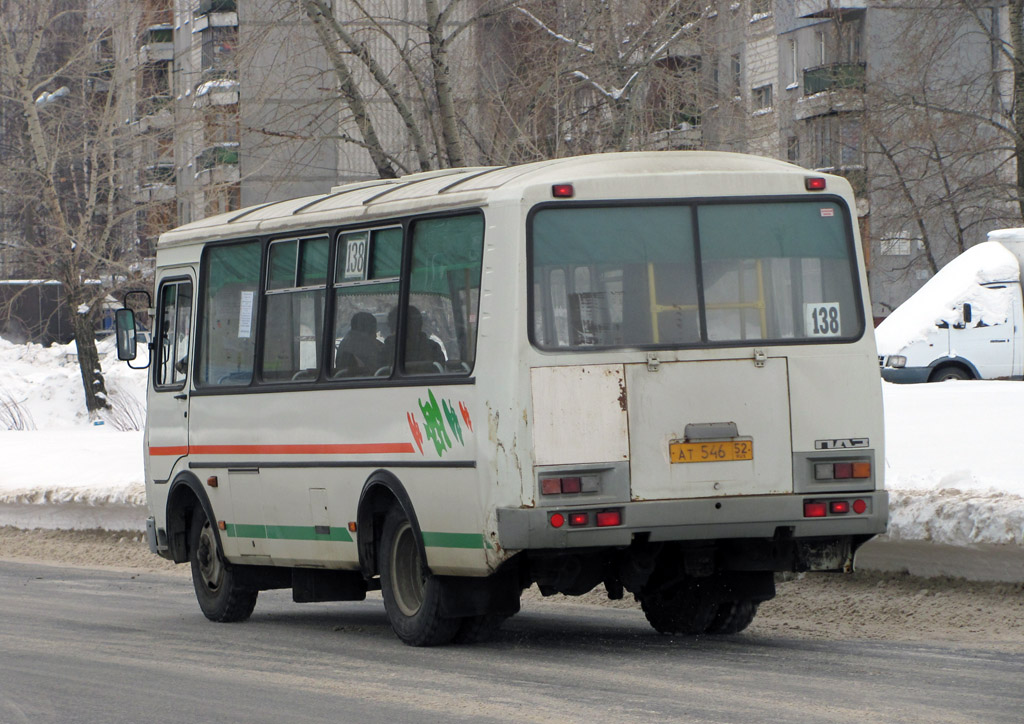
(180, 450)
(378, 448)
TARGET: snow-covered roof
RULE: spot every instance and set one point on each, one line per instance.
(940, 299)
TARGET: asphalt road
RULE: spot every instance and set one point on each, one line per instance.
(107, 647)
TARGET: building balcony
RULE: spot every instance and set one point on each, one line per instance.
(218, 92)
(149, 193)
(685, 137)
(217, 6)
(214, 20)
(836, 88)
(156, 53)
(218, 165)
(828, 8)
(158, 44)
(835, 76)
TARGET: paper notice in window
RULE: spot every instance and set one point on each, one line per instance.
(245, 316)
(826, 212)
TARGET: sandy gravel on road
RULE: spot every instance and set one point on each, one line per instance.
(864, 605)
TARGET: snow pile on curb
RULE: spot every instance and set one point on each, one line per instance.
(955, 517)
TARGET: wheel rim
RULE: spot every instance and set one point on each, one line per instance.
(211, 570)
(407, 571)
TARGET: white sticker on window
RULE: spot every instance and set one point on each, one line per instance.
(356, 256)
(821, 319)
(828, 212)
(245, 315)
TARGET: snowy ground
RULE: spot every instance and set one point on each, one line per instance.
(954, 459)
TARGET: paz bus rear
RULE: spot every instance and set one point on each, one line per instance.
(706, 407)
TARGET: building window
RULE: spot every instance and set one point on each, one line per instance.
(820, 41)
(761, 98)
(793, 149)
(760, 9)
(737, 75)
(673, 92)
(794, 66)
(898, 245)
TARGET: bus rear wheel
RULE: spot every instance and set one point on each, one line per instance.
(678, 609)
(412, 595)
(220, 596)
(733, 616)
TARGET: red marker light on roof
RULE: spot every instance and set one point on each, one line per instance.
(562, 191)
(814, 183)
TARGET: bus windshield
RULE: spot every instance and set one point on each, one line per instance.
(685, 275)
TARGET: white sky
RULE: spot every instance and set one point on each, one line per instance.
(954, 460)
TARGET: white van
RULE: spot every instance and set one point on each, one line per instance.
(965, 323)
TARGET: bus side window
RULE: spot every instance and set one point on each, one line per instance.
(227, 339)
(366, 292)
(175, 319)
(296, 292)
(444, 295)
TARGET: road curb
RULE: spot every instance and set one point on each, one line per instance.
(980, 562)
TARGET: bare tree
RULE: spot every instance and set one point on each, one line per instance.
(64, 177)
(944, 132)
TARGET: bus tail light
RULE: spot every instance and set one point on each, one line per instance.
(815, 509)
(825, 508)
(557, 520)
(570, 485)
(842, 471)
(814, 183)
(550, 486)
(577, 519)
(609, 518)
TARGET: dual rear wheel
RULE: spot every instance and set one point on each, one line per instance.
(684, 608)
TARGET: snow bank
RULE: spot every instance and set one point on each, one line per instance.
(954, 465)
(942, 296)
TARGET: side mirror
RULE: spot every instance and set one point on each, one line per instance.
(967, 312)
(124, 329)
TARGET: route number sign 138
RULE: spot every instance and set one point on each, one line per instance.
(821, 319)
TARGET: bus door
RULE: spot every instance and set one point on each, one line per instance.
(168, 400)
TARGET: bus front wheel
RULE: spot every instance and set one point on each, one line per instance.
(412, 595)
(220, 596)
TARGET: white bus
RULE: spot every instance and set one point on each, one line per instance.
(647, 371)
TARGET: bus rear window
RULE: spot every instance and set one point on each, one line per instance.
(629, 276)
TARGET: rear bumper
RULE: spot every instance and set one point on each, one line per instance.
(695, 519)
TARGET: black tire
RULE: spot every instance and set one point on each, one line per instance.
(474, 629)
(733, 616)
(220, 597)
(678, 609)
(412, 596)
(945, 374)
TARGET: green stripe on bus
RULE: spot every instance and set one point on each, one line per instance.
(287, 532)
(453, 540)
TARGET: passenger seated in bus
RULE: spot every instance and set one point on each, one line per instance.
(422, 354)
(359, 353)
